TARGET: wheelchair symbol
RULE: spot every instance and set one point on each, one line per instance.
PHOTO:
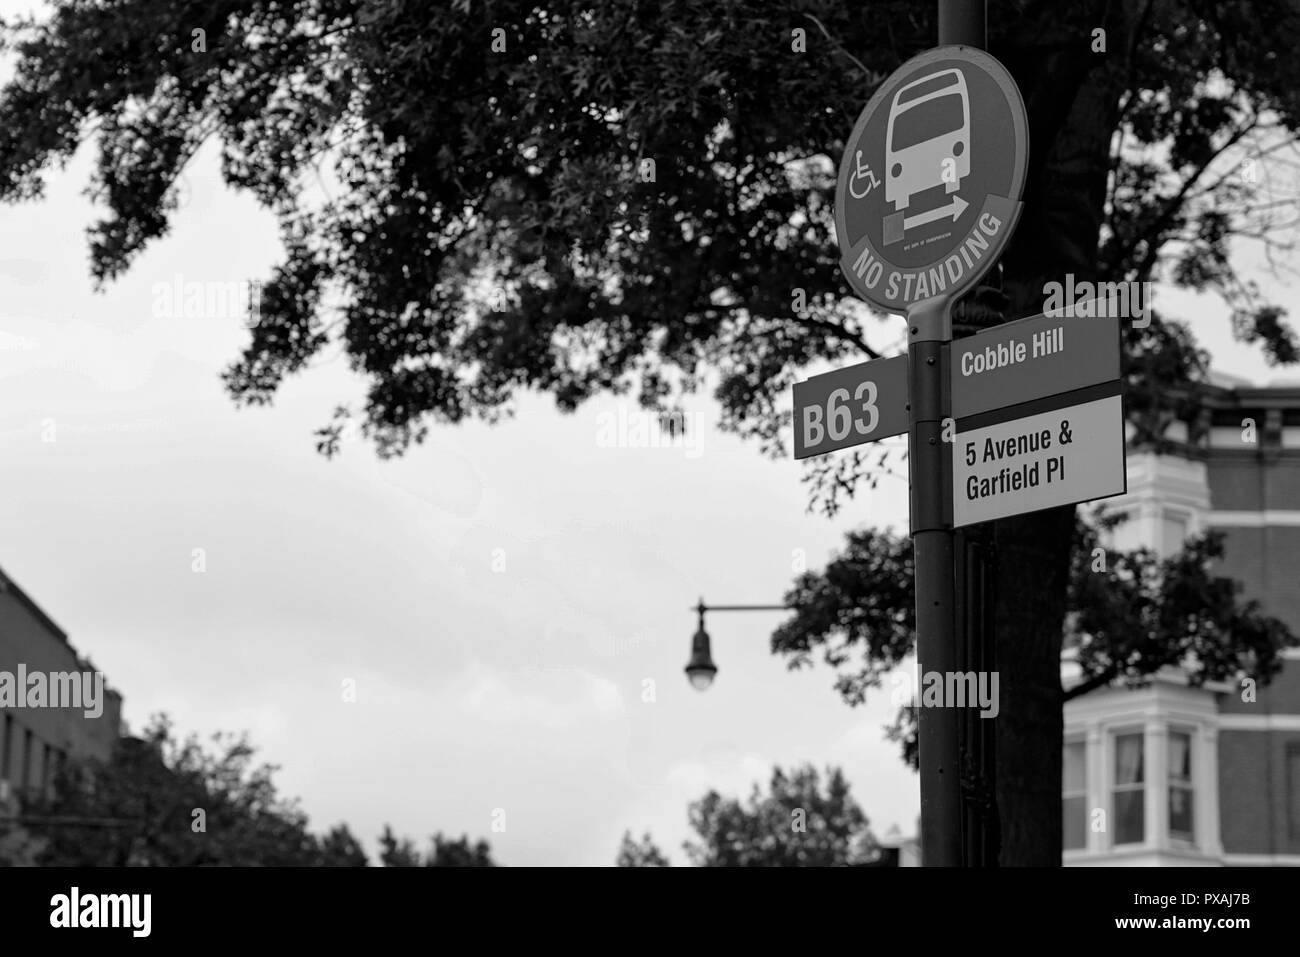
(860, 174)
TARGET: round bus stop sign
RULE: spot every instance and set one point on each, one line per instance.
(929, 187)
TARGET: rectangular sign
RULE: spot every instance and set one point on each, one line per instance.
(850, 406)
(1031, 359)
(1059, 457)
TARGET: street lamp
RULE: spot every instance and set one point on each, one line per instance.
(701, 669)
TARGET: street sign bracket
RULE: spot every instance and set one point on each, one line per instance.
(930, 463)
(930, 320)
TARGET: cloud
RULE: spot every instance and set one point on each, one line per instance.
(451, 482)
(25, 272)
(11, 342)
(554, 700)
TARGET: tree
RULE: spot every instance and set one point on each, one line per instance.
(459, 853)
(160, 802)
(397, 853)
(338, 848)
(444, 852)
(643, 854)
(637, 198)
(794, 825)
(1129, 615)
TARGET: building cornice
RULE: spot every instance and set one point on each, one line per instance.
(9, 587)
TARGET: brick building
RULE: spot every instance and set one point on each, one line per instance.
(33, 740)
(1199, 776)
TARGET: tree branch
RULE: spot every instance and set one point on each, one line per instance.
(1091, 684)
(1174, 204)
(869, 74)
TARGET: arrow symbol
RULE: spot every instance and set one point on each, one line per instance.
(954, 209)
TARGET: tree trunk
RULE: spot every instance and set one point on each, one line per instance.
(1072, 96)
(1032, 565)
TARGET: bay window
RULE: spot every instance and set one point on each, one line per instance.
(1128, 794)
(1074, 797)
(1181, 818)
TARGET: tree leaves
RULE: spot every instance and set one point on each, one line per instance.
(796, 824)
(643, 853)
(1129, 615)
(595, 176)
(519, 175)
(443, 852)
(160, 802)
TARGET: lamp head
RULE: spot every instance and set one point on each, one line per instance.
(701, 669)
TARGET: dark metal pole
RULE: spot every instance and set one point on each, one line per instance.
(939, 729)
(974, 553)
(930, 469)
(965, 22)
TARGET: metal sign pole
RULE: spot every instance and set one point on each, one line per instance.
(930, 468)
(966, 831)
(966, 22)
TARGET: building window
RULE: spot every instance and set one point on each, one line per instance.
(24, 782)
(1128, 810)
(1173, 532)
(47, 768)
(1293, 791)
(1074, 797)
(1180, 786)
(6, 747)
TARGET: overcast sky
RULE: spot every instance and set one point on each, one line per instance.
(518, 688)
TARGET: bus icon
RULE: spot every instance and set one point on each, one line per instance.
(929, 123)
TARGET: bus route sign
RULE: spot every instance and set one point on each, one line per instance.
(930, 183)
